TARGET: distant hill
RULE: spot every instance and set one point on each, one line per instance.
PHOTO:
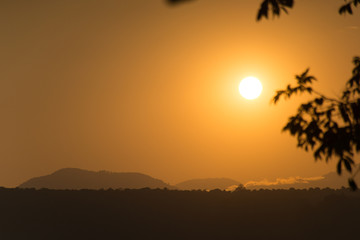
(207, 184)
(73, 178)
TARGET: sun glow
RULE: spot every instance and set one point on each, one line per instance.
(250, 88)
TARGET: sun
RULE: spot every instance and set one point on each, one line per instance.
(250, 88)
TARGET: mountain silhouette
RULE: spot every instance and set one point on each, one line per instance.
(74, 178)
(207, 184)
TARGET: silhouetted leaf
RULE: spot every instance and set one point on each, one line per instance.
(319, 101)
(355, 107)
(287, 3)
(276, 6)
(329, 113)
(357, 137)
(346, 93)
(345, 9)
(352, 184)
(347, 164)
(343, 112)
(284, 9)
(338, 167)
(263, 11)
(304, 78)
(306, 107)
(172, 2)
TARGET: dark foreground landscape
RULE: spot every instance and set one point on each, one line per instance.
(173, 214)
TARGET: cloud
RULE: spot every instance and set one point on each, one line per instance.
(231, 188)
(353, 27)
(282, 181)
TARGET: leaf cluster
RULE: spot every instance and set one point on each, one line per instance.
(347, 8)
(328, 126)
(276, 6)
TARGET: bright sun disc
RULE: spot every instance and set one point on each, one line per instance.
(250, 88)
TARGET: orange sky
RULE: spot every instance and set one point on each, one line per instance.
(136, 85)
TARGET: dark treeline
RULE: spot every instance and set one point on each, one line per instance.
(172, 214)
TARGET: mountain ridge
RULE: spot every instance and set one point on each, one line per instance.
(75, 178)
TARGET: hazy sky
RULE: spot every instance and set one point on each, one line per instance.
(139, 86)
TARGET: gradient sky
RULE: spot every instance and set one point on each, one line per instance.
(140, 86)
